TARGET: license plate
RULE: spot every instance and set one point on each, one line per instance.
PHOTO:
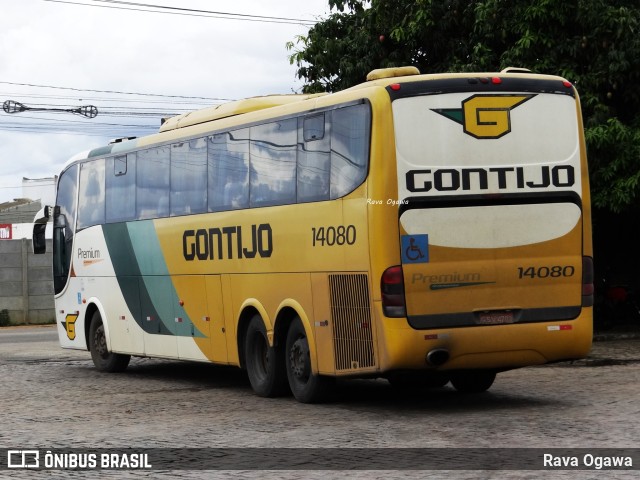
(496, 318)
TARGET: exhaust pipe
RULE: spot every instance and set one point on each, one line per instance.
(438, 357)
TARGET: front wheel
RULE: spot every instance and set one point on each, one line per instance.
(103, 359)
(305, 386)
(473, 381)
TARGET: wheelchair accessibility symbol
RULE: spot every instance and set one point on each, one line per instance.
(415, 248)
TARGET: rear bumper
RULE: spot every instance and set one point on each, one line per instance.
(500, 347)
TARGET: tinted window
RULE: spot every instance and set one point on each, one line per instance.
(349, 148)
(314, 159)
(92, 199)
(229, 170)
(63, 225)
(313, 127)
(303, 159)
(189, 177)
(152, 181)
(121, 188)
(273, 163)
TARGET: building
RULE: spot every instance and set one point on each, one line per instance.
(26, 283)
(16, 216)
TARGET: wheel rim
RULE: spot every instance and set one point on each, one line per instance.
(299, 359)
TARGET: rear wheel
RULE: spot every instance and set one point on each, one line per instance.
(305, 386)
(265, 364)
(103, 359)
(473, 381)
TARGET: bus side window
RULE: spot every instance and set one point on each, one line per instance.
(121, 188)
(350, 127)
(313, 127)
(228, 172)
(189, 177)
(314, 158)
(91, 208)
(273, 163)
(152, 181)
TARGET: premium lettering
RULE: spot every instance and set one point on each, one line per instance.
(90, 254)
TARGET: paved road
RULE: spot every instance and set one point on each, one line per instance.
(53, 398)
(20, 335)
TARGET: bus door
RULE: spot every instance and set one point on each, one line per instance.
(491, 214)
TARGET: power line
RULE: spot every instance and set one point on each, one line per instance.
(242, 15)
(82, 122)
(114, 91)
(90, 98)
(83, 133)
(121, 5)
(117, 109)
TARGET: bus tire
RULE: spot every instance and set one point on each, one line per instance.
(103, 359)
(305, 386)
(265, 364)
(473, 381)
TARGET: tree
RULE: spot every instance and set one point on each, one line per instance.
(593, 43)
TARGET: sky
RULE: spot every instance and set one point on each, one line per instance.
(135, 65)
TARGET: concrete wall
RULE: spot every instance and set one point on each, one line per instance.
(26, 284)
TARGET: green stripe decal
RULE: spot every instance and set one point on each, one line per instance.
(144, 279)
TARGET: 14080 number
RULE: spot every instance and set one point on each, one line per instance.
(331, 236)
(554, 271)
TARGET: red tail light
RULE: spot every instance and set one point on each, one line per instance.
(392, 288)
(587, 282)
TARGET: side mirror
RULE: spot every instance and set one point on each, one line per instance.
(39, 227)
(39, 241)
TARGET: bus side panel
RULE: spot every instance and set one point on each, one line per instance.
(157, 313)
(70, 318)
(93, 280)
(199, 319)
(218, 326)
(192, 318)
(233, 356)
(323, 329)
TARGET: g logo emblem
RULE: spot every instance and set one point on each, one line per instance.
(70, 325)
(485, 116)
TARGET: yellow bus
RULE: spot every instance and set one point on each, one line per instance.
(421, 228)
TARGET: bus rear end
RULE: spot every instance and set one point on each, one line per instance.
(494, 221)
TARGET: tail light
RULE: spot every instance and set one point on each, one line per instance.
(587, 282)
(392, 288)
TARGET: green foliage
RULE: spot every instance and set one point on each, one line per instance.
(593, 43)
(615, 177)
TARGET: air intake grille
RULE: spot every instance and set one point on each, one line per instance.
(351, 320)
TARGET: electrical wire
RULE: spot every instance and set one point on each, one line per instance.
(134, 106)
(189, 12)
(242, 15)
(115, 91)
